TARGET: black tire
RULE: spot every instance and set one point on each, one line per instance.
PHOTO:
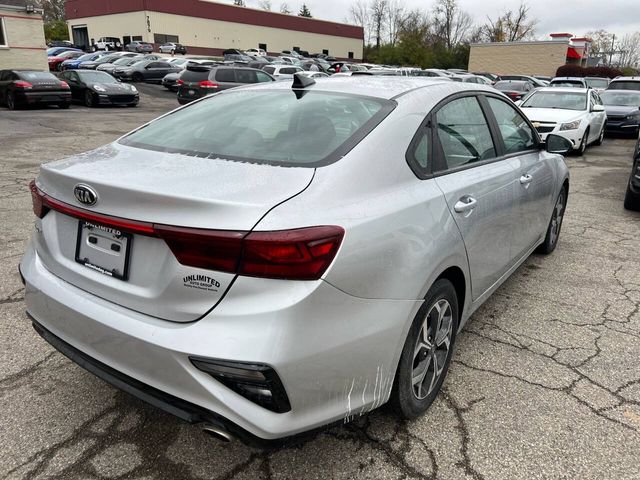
(404, 399)
(583, 143)
(600, 137)
(94, 48)
(64, 105)
(11, 101)
(137, 77)
(172, 52)
(132, 105)
(631, 200)
(554, 228)
(89, 99)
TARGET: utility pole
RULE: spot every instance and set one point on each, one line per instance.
(613, 42)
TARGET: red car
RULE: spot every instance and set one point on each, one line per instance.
(514, 89)
(56, 62)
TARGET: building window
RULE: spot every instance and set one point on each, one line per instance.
(351, 55)
(325, 52)
(3, 35)
(263, 46)
(161, 38)
(136, 38)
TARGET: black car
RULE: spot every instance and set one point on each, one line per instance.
(95, 88)
(623, 110)
(198, 81)
(632, 197)
(145, 71)
(29, 87)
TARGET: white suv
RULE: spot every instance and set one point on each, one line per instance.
(107, 43)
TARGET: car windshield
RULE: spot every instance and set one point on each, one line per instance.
(560, 100)
(91, 76)
(597, 82)
(622, 99)
(266, 126)
(122, 61)
(624, 85)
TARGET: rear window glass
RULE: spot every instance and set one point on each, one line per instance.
(225, 75)
(36, 76)
(266, 126)
(624, 85)
(194, 75)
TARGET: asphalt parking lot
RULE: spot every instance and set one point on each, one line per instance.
(545, 381)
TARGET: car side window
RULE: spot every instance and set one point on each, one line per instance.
(464, 133)
(225, 75)
(516, 133)
(246, 76)
(262, 77)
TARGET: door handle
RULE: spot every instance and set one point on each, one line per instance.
(526, 179)
(465, 204)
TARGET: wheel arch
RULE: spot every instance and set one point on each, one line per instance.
(456, 276)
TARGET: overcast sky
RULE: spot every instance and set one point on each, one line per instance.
(575, 16)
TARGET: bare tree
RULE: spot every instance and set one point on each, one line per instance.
(452, 24)
(265, 4)
(395, 17)
(601, 41)
(284, 8)
(359, 14)
(511, 26)
(628, 50)
(52, 9)
(378, 19)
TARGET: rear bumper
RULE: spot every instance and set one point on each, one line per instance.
(335, 354)
(31, 98)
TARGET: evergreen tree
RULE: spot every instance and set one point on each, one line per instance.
(305, 12)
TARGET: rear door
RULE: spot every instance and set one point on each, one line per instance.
(597, 119)
(226, 78)
(534, 172)
(478, 186)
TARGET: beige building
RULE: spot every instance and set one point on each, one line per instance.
(209, 28)
(22, 43)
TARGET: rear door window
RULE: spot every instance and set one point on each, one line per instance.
(464, 133)
(225, 75)
(246, 76)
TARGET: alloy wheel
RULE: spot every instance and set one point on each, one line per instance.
(556, 219)
(88, 98)
(583, 143)
(432, 349)
(11, 102)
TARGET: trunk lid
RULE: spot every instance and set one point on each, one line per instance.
(156, 188)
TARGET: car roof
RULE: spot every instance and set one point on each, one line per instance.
(579, 79)
(626, 79)
(384, 87)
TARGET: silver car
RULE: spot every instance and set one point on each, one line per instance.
(265, 262)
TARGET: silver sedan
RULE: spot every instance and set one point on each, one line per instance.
(269, 259)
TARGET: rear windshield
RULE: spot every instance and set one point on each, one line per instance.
(567, 83)
(36, 76)
(561, 100)
(194, 75)
(597, 82)
(624, 85)
(623, 99)
(516, 86)
(266, 126)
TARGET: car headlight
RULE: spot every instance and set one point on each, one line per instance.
(570, 126)
(99, 88)
(133, 89)
(634, 116)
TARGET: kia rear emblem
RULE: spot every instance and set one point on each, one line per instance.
(85, 194)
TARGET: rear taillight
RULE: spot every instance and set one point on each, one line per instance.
(298, 254)
(22, 84)
(207, 84)
(64, 84)
(180, 82)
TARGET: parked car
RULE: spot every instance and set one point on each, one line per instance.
(198, 81)
(145, 71)
(21, 88)
(574, 113)
(624, 83)
(236, 58)
(260, 301)
(63, 43)
(623, 110)
(282, 72)
(525, 78)
(575, 82)
(258, 52)
(543, 78)
(172, 48)
(292, 53)
(492, 77)
(93, 64)
(435, 72)
(170, 80)
(55, 62)
(139, 47)
(52, 52)
(632, 196)
(514, 89)
(122, 62)
(72, 64)
(310, 74)
(99, 88)
(107, 43)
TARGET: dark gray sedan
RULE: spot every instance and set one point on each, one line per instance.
(146, 71)
(95, 88)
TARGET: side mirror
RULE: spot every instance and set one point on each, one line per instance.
(558, 144)
(597, 108)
